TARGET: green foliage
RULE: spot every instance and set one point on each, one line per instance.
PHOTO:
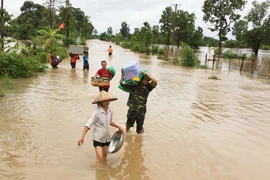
(184, 27)
(125, 45)
(188, 58)
(231, 55)
(124, 29)
(1, 93)
(214, 77)
(257, 16)
(210, 42)
(50, 36)
(7, 83)
(222, 14)
(16, 65)
(166, 24)
(136, 47)
(231, 44)
(155, 49)
(265, 47)
(43, 57)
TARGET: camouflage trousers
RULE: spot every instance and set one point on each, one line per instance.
(136, 115)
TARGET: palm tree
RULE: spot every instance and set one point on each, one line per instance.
(50, 36)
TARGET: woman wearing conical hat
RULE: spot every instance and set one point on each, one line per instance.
(101, 120)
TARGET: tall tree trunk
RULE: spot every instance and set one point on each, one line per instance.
(2, 25)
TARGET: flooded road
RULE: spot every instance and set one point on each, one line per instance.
(195, 128)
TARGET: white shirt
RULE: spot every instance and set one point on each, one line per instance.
(101, 122)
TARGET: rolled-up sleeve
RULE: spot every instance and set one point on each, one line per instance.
(93, 118)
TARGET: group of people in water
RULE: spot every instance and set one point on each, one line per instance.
(55, 60)
(101, 117)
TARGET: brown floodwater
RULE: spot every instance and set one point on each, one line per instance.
(195, 128)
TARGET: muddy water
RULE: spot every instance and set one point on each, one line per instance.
(195, 127)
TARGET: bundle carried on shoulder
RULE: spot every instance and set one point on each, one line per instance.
(126, 84)
(112, 72)
(131, 70)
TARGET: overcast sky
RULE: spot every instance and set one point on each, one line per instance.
(105, 13)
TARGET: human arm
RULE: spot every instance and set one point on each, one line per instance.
(91, 121)
(113, 124)
(122, 76)
(95, 77)
(81, 140)
(153, 80)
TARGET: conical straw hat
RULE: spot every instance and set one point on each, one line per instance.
(103, 96)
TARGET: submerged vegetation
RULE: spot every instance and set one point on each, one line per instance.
(214, 77)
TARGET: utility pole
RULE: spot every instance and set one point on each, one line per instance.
(2, 24)
(174, 24)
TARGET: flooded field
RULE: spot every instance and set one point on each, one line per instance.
(196, 128)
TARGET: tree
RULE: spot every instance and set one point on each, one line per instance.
(5, 19)
(52, 7)
(239, 28)
(196, 38)
(222, 13)
(146, 34)
(31, 18)
(257, 18)
(50, 36)
(110, 31)
(156, 33)
(124, 29)
(185, 26)
(65, 13)
(166, 25)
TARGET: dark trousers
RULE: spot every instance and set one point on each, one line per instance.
(86, 66)
(73, 65)
(54, 65)
(137, 116)
(103, 88)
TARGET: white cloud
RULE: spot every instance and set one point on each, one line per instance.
(104, 13)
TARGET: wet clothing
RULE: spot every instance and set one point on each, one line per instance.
(85, 62)
(96, 143)
(73, 60)
(101, 124)
(110, 50)
(54, 61)
(104, 73)
(103, 88)
(138, 96)
(137, 116)
(137, 104)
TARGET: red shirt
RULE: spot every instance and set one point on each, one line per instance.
(105, 73)
(74, 58)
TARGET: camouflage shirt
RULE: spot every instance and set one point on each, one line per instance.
(138, 95)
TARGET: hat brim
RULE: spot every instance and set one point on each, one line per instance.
(97, 101)
(104, 96)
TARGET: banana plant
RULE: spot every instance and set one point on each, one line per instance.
(50, 36)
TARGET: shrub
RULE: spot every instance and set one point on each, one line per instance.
(16, 65)
(125, 45)
(230, 55)
(43, 57)
(188, 58)
(154, 49)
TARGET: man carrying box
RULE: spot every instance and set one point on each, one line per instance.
(137, 100)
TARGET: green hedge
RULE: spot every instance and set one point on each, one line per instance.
(16, 65)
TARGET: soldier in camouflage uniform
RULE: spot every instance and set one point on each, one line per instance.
(137, 101)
